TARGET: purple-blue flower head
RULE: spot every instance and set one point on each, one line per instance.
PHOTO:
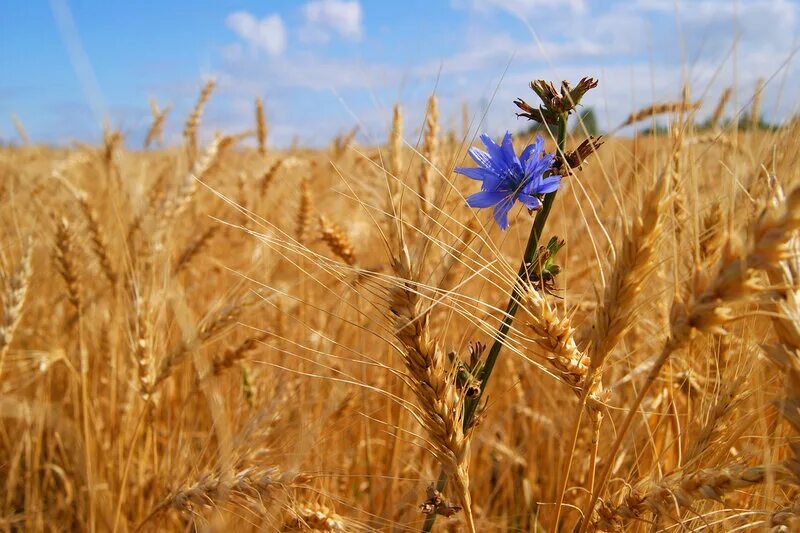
(508, 178)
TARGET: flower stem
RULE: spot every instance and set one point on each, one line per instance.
(471, 405)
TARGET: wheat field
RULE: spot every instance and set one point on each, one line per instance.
(223, 336)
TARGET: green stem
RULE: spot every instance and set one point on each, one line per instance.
(512, 307)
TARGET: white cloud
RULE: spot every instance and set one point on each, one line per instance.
(326, 17)
(634, 48)
(308, 71)
(496, 49)
(524, 7)
(267, 34)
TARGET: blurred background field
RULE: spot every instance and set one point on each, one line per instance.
(211, 308)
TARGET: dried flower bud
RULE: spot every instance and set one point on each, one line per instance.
(542, 271)
(583, 87)
(546, 91)
(540, 114)
(556, 101)
(476, 350)
(577, 157)
(437, 504)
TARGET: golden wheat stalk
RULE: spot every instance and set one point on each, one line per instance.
(553, 337)
(193, 249)
(155, 132)
(785, 353)
(304, 207)
(172, 206)
(254, 484)
(15, 291)
(342, 142)
(261, 127)
(20, 128)
(660, 109)
(634, 262)
(211, 327)
(396, 142)
(97, 239)
(269, 176)
(613, 317)
(192, 123)
(440, 404)
(710, 309)
(143, 348)
(430, 154)
(64, 256)
(314, 517)
(112, 140)
(719, 111)
(337, 240)
(234, 355)
(684, 489)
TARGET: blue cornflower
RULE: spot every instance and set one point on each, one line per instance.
(507, 178)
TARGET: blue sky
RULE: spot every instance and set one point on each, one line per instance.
(322, 66)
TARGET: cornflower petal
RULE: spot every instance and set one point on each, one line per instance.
(526, 154)
(501, 212)
(480, 174)
(486, 198)
(538, 143)
(539, 165)
(511, 159)
(507, 178)
(495, 183)
(481, 158)
(549, 184)
(529, 201)
(495, 153)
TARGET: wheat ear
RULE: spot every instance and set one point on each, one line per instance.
(269, 176)
(234, 355)
(735, 280)
(211, 327)
(98, 241)
(172, 206)
(193, 249)
(192, 123)
(255, 484)
(64, 256)
(430, 154)
(553, 336)
(716, 117)
(440, 404)
(156, 131)
(261, 127)
(337, 240)
(634, 262)
(303, 216)
(20, 127)
(314, 517)
(16, 290)
(142, 348)
(684, 489)
(396, 142)
(660, 109)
